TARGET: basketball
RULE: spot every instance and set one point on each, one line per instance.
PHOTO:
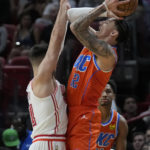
(128, 8)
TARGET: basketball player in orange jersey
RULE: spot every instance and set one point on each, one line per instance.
(45, 94)
(114, 128)
(91, 71)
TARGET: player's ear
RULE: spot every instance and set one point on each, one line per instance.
(114, 33)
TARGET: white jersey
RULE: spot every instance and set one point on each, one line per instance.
(48, 115)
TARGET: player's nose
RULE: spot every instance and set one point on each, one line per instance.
(104, 94)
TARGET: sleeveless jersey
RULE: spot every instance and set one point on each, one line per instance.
(48, 115)
(109, 132)
(86, 81)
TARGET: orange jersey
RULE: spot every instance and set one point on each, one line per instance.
(109, 132)
(85, 86)
(86, 81)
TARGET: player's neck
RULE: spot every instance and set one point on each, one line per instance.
(35, 70)
(105, 113)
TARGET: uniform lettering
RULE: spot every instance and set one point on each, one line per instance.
(77, 62)
(80, 62)
(104, 139)
(32, 115)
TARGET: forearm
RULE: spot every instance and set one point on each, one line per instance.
(56, 44)
(58, 35)
(75, 13)
(84, 21)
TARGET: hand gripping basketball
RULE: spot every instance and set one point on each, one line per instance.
(121, 8)
(128, 8)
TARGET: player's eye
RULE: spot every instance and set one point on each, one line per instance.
(108, 91)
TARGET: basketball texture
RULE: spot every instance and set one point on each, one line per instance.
(128, 8)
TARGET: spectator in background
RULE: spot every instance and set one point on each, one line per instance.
(138, 140)
(24, 32)
(130, 107)
(146, 146)
(36, 6)
(10, 139)
(23, 38)
(19, 123)
(147, 135)
(49, 14)
(46, 21)
(131, 110)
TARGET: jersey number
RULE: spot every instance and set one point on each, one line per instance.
(32, 115)
(75, 80)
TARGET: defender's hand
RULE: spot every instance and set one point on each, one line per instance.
(64, 4)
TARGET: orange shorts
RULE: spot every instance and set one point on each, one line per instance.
(83, 128)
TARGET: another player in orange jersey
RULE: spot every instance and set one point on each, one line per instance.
(114, 128)
(91, 71)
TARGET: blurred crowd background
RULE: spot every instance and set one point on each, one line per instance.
(24, 23)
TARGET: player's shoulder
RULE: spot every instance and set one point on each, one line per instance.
(122, 120)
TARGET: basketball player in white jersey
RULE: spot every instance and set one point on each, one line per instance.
(45, 95)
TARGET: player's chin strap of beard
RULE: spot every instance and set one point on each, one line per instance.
(109, 13)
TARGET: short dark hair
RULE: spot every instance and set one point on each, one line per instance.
(38, 52)
(113, 85)
(123, 29)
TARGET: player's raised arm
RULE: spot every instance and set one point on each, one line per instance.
(48, 65)
(89, 38)
(43, 82)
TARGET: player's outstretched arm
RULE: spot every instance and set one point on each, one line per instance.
(43, 79)
(121, 141)
(56, 43)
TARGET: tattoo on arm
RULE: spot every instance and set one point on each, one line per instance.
(80, 27)
(90, 40)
